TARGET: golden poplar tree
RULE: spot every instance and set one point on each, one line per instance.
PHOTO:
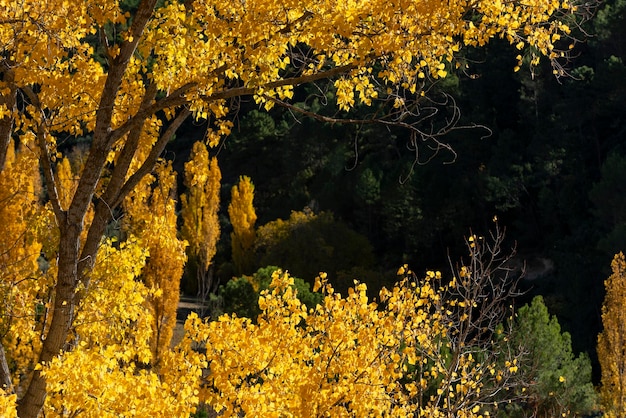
(151, 217)
(352, 357)
(127, 77)
(612, 341)
(23, 287)
(200, 206)
(242, 217)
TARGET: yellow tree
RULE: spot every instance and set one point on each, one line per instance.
(200, 206)
(351, 356)
(612, 340)
(23, 287)
(128, 76)
(242, 217)
(151, 217)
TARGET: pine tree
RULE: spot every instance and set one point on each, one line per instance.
(612, 341)
(242, 217)
(554, 382)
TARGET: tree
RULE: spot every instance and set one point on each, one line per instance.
(151, 218)
(425, 347)
(337, 250)
(553, 381)
(128, 74)
(242, 217)
(612, 340)
(200, 206)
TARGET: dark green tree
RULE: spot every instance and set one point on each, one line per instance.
(554, 382)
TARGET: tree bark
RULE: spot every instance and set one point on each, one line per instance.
(31, 403)
(5, 375)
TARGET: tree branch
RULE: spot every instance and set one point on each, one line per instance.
(104, 208)
(116, 196)
(176, 98)
(152, 158)
(45, 158)
(293, 81)
(103, 138)
(130, 147)
(48, 173)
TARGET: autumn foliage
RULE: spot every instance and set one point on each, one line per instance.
(23, 285)
(200, 206)
(88, 309)
(612, 340)
(242, 217)
(348, 356)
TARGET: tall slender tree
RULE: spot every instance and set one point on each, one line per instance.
(612, 340)
(200, 206)
(243, 217)
(151, 217)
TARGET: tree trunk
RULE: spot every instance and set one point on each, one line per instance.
(30, 405)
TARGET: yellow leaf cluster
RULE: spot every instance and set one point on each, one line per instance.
(90, 383)
(23, 287)
(8, 404)
(348, 356)
(242, 217)
(112, 313)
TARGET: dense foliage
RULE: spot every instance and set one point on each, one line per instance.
(555, 381)
(91, 95)
(549, 163)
